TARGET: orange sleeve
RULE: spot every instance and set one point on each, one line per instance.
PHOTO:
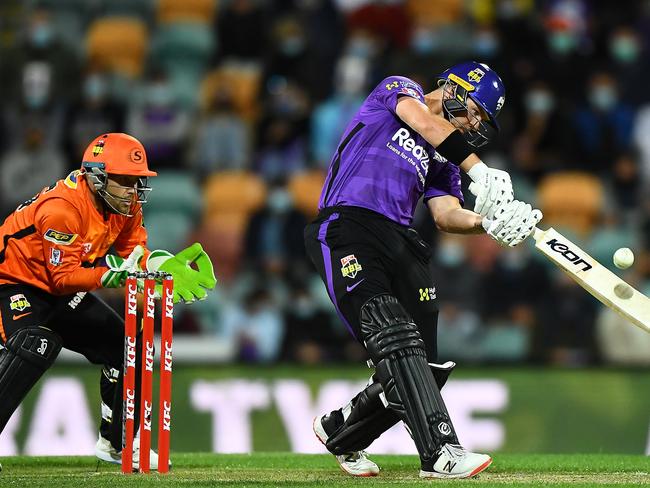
(132, 234)
(59, 223)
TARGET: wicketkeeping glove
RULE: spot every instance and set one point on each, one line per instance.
(119, 268)
(189, 284)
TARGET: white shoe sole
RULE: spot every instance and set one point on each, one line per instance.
(322, 437)
(467, 474)
(319, 431)
(104, 456)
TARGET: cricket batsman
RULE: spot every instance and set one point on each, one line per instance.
(82, 233)
(402, 145)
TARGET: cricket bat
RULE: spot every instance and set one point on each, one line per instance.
(608, 288)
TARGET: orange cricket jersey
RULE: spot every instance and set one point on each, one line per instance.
(53, 240)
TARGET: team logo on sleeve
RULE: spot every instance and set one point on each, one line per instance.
(350, 266)
(19, 303)
(410, 92)
(56, 257)
(390, 86)
(62, 238)
(72, 179)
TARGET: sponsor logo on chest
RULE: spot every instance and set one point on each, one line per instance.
(404, 145)
(403, 138)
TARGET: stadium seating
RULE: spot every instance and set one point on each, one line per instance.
(435, 13)
(201, 11)
(305, 189)
(571, 199)
(172, 210)
(230, 198)
(117, 44)
(142, 9)
(242, 82)
(183, 51)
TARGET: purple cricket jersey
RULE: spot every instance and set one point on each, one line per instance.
(384, 165)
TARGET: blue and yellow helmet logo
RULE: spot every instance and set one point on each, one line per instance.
(476, 75)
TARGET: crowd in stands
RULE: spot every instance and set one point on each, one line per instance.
(241, 103)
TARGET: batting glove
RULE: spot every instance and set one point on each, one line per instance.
(492, 187)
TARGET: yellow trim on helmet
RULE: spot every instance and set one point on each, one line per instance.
(465, 84)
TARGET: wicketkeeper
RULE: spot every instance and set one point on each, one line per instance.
(403, 145)
(54, 252)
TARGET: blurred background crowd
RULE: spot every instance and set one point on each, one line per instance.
(241, 103)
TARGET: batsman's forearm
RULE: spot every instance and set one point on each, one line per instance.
(469, 163)
(460, 221)
(438, 132)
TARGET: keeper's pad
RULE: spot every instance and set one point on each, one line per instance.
(366, 417)
(27, 354)
(394, 344)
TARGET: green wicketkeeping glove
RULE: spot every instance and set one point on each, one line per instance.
(189, 284)
(119, 268)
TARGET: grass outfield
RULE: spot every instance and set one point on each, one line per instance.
(285, 469)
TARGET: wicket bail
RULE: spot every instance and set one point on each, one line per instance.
(146, 393)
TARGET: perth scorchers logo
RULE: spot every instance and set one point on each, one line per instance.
(99, 147)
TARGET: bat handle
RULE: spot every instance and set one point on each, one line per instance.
(538, 234)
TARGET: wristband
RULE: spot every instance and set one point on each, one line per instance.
(455, 148)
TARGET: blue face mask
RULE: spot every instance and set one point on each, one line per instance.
(292, 46)
(304, 308)
(360, 47)
(624, 49)
(36, 101)
(279, 201)
(603, 98)
(451, 254)
(160, 95)
(539, 102)
(424, 41)
(41, 35)
(486, 45)
(94, 88)
(562, 42)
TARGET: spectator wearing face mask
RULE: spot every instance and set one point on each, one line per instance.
(221, 139)
(27, 169)
(274, 236)
(159, 121)
(254, 328)
(542, 142)
(96, 113)
(283, 131)
(39, 58)
(292, 57)
(310, 337)
(567, 39)
(627, 53)
(330, 117)
(603, 125)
